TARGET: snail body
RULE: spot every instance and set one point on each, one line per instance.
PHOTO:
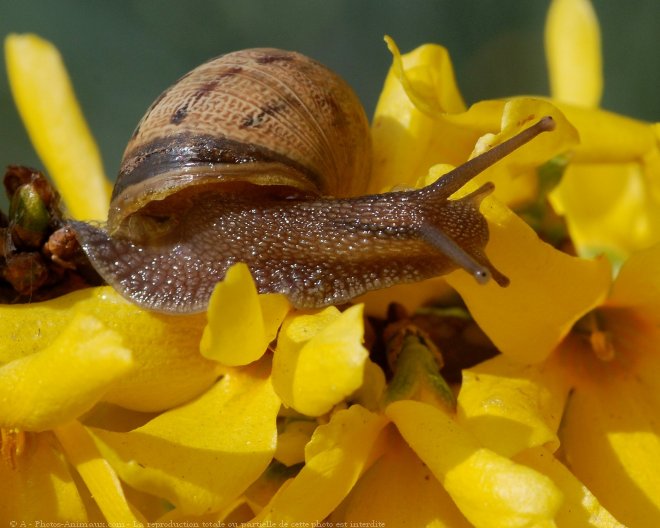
(262, 156)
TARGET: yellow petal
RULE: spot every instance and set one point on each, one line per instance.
(515, 175)
(292, 440)
(549, 290)
(399, 490)
(610, 435)
(319, 359)
(635, 339)
(510, 407)
(99, 477)
(45, 99)
(241, 322)
(34, 326)
(638, 285)
(406, 139)
(609, 137)
(335, 458)
(580, 508)
(427, 76)
(522, 112)
(114, 418)
(203, 455)
(370, 393)
(572, 44)
(56, 385)
(490, 490)
(168, 369)
(40, 487)
(609, 208)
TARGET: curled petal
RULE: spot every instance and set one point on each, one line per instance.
(241, 322)
(49, 109)
(41, 472)
(203, 455)
(168, 369)
(522, 112)
(319, 359)
(548, 292)
(59, 383)
(427, 76)
(408, 132)
(490, 490)
(35, 326)
(610, 192)
(515, 175)
(572, 46)
(510, 407)
(337, 455)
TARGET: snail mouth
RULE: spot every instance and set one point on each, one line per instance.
(146, 228)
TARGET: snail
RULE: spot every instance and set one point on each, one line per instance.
(262, 156)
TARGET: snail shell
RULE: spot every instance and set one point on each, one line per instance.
(261, 156)
(264, 117)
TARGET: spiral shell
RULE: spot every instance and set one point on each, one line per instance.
(262, 120)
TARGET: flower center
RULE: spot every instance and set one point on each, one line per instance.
(593, 329)
(12, 446)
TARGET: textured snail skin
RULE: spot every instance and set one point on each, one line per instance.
(317, 252)
(212, 177)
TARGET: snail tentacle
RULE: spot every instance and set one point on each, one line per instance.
(457, 178)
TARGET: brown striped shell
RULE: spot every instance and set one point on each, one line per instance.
(264, 117)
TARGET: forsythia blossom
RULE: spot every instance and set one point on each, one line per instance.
(257, 413)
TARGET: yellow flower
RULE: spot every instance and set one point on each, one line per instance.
(256, 412)
(370, 464)
(597, 383)
(42, 394)
(224, 430)
(609, 191)
(548, 290)
(421, 121)
(516, 409)
(596, 398)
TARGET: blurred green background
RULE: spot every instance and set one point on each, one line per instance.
(122, 54)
